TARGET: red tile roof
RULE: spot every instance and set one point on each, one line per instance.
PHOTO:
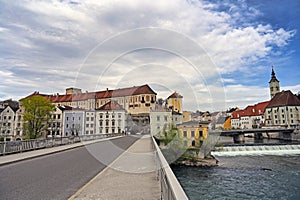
(136, 90)
(256, 110)
(284, 98)
(111, 105)
(175, 95)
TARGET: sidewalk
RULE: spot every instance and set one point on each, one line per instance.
(7, 159)
(131, 176)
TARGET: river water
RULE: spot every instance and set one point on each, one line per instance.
(243, 177)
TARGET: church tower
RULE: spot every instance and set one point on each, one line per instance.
(274, 84)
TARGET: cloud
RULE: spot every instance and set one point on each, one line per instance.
(46, 43)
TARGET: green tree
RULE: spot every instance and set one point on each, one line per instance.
(174, 146)
(37, 111)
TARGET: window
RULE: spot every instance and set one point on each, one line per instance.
(119, 115)
(67, 125)
(193, 143)
(86, 132)
(157, 118)
(113, 130)
(67, 118)
(107, 115)
(291, 115)
(91, 132)
(113, 122)
(106, 130)
(92, 125)
(101, 123)
(58, 116)
(87, 119)
(201, 133)
(87, 125)
(101, 115)
(184, 134)
(193, 133)
(107, 123)
(92, 118)
(166, 118)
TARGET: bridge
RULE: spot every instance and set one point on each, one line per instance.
(239, 134)
(123, 167)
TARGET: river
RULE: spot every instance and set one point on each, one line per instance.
(243, 177)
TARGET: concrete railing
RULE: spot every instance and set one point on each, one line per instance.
(170, 187)
(34, 144)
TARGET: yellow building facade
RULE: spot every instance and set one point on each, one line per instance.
(175, 102)
(227, 124)
(187, 116)
(193, 133)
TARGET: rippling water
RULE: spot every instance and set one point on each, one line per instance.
(243, 177)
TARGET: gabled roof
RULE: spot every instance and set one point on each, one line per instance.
(175, 95)
(63, 108)
(136, 90)
(284, 98)
(14, 109)
(111, 105)
(222, 120)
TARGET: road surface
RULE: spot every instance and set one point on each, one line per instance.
(59, 175)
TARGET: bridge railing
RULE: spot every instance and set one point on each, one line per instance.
(170, 187)
(10, 147)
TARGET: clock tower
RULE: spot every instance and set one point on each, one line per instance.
(274, 84)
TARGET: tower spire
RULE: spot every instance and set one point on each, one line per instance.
(273, 76)
(274, 84)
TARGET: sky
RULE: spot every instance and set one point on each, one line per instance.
(217, 54)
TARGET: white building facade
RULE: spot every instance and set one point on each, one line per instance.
(160, 119)
(283, 110)
(110, 118)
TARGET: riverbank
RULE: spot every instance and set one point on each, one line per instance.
(210, 161)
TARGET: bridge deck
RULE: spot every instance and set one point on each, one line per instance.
(255, 131)
(132, 176)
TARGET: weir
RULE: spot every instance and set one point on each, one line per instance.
(289, 149)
